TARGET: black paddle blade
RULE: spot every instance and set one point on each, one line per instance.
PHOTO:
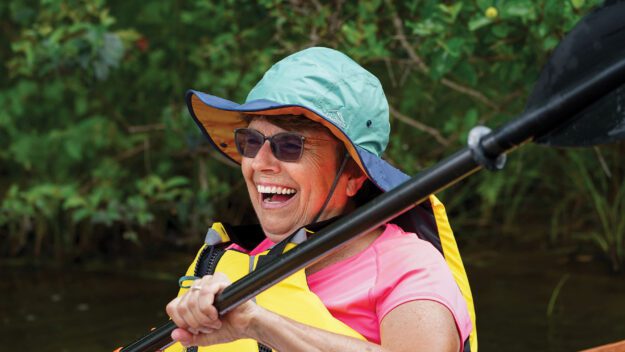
(597, 41)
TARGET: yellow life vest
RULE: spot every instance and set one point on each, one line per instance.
(449, 249)
(428, 220)
(290, 298)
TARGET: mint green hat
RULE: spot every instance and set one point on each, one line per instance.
(323, 85)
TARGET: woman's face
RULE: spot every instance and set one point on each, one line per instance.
(288, 195)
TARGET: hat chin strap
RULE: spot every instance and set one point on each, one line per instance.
(331, 192)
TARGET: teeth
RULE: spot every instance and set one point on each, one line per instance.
(274, 189)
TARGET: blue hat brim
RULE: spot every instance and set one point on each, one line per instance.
(217, 118)
(379, 171)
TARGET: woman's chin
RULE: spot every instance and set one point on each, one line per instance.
(276, 238)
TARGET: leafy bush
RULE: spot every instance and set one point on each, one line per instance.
(95, 140)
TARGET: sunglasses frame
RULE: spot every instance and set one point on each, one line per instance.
(273, 145)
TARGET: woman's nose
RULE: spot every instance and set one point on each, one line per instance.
(264, 159)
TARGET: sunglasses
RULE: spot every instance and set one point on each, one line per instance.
(285, 146)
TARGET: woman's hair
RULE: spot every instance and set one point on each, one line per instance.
(289, 122)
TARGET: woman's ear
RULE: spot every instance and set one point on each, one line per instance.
(354, 184)
(355, 178)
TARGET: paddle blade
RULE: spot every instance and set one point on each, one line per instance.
(597, 41)
(601, 123)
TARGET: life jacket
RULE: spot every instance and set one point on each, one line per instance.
(290, 298)
(428, 220)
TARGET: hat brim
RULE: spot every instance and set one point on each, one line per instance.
(217, 118)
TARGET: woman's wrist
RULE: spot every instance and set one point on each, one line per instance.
(251, 327)
(258, 324)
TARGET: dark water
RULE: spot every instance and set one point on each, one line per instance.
(78, 310)
(101, 309)
(512, 291)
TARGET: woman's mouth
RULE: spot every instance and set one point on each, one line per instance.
(275, 195)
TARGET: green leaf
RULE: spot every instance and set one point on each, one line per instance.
(73, 149)
(80, 105)
(550, 43)
(484, 4)
(454, 46)
(519, 8)
(466, 72)
(442, 64)
(177, 181)
(578, 4)
(74, 201)
(80, 215)
(478, 22)
(501, 30)
(144, 218)
(352, 35)
(131, 236)
(427, 27)
(471, 118)
(451, 10)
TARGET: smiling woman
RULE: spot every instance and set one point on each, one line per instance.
(309, 140)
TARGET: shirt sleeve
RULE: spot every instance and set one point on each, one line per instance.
(414, 270)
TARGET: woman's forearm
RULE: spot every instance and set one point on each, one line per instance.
(283, 334)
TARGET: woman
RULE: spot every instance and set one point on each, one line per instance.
(309, 140)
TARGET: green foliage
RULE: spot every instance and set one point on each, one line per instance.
(96, 143)
(93, 141)
(600, 205)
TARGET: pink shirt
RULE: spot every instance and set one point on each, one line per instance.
(396, 268)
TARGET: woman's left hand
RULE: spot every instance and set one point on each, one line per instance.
(197, 318)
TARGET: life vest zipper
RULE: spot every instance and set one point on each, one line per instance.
(206, 265)
(263, 348)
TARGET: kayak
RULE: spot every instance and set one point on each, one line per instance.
(612, 347)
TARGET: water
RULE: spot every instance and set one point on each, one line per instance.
(76, 310)
(512, 292)
(99, 310)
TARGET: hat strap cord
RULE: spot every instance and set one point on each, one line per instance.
(334, 184)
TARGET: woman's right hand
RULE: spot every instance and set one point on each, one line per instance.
(197, 318)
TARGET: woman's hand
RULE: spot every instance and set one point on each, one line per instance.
(197, 318)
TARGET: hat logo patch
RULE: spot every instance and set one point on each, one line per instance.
(335, 117)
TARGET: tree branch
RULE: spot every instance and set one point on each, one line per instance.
(207, 151)
(420, 126)
(146, 128)
(401, 36)
(470, 92)
(130, 152)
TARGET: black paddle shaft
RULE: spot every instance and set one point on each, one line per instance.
(530, 125)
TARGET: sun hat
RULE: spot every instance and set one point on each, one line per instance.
(323, 85)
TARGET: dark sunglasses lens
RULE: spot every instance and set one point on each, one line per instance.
(248, 142)
(287, 146)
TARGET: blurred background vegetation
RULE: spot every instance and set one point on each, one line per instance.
(99, 157)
